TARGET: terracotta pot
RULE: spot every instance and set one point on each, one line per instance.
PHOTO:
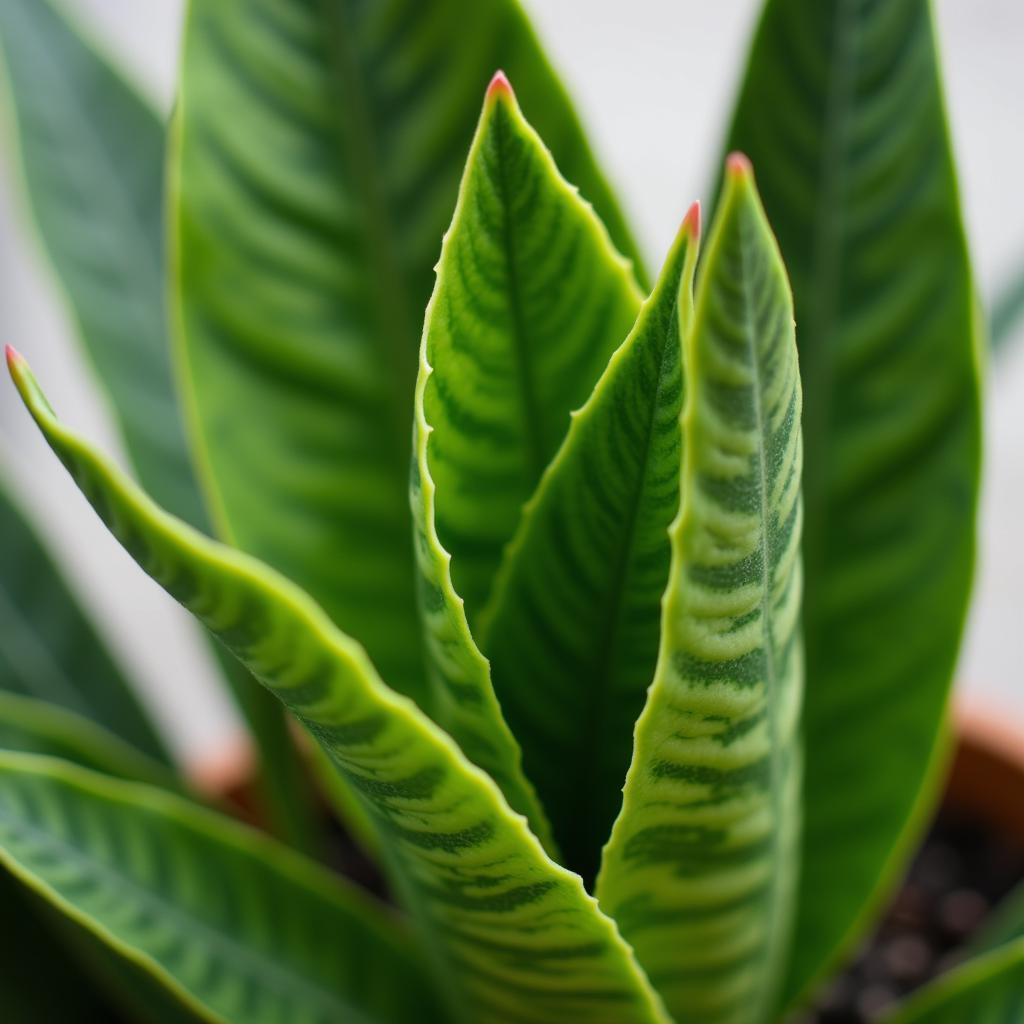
(987, 775)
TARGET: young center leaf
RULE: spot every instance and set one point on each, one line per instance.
(572, 628)
(530, 301)
(317, 158)
(510, 933)
(234, 925)
(701, 866)
(842, 114)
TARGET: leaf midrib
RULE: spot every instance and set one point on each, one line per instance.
(533, 442)
(622, 572)
(390, 289)
(248, 961)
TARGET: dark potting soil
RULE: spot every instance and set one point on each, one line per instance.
(959, 876)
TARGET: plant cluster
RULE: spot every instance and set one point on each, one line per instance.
(634, 686)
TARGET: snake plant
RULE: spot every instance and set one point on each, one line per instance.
(613, 615)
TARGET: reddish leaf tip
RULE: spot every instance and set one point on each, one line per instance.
(14, 357)
(691, 222)
(738, 165)
(500, 86)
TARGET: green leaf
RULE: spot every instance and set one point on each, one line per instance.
(34, 726)
(92, 155)
(987, 990)
(1005, 924)
(530, 301)
(235, 925)
(512, 934)
(50, 651)
(572, 629)
(701, 866)
(30, 961)
(842, 114)
(319, 150)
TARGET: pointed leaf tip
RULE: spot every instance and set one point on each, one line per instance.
(691, 222)
(500, 86)
(738, 165)
(14, 357)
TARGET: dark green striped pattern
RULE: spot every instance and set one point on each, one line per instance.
(572, 630)
(513, 936)
(988, 990)
(233, 924)
(49, 650)
(93, 158)
(531, 301)
(701, 867)
(317, 158)
(92, 154)
(842, 115)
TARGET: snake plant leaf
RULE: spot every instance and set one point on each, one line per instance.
(511, 934)
(50, 651)
(986, 990)
(591, 560)
(92, 156)
(304, 265)
(700, 870)
(233, 923)
(842, 114)
(34, 726)
(93, 152)
(531, 301)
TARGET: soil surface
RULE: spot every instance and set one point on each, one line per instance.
(959, 876)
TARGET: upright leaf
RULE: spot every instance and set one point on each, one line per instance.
(530, 300)
(842, 114)
(987, 990)
(512, 935)
(50, 651)
(233, 924)
(701, 867)
(318, 159)
(92, 153)
(572, 630)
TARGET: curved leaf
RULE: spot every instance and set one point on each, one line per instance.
(701, 866)
(92, 153)
(37, 727)
(304, 265)
(842, 114)
(48, 648)
(572, 628)
(232, 923)
(987, 990)
(530, 300)
(512, 934)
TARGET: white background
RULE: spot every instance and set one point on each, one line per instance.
(653, 80)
